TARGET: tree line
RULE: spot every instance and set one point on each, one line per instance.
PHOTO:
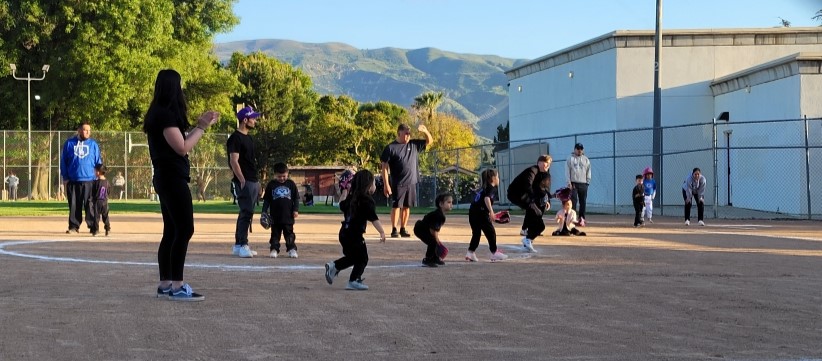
(104, 57)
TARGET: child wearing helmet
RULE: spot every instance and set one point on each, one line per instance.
(649, 185)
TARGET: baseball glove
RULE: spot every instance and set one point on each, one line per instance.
(265, 220)
(442, 251)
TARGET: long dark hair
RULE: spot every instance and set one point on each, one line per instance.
(168, 94)
(487, 176)
(360, 185)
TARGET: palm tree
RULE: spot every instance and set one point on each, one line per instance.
(427, 103)
(818, 16)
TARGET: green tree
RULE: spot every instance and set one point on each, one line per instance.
(452, 139)
(427, 104)
(284, 96)
(375, 127)
(502, 137)
(330, 134)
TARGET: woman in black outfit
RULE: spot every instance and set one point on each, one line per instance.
(165, 125)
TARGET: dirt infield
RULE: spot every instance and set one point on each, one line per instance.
(729, 291)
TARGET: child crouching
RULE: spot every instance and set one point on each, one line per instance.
(428, 229)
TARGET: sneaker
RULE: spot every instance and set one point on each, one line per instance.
(273, 253)
(72, 231)
(439, 261)
(108, 230)
(523, 232)
(403, 233)
(701, 223)
(185, 293)
(651, 221)
(528, 246)
(253, 252)
(236, 250)
(687, 222)
(394, 233)
(356, 285)
(292, 253)
(330, 272)
(94, 233)
(582, 222)
(429, 263)
(471, 257)
(498, 256)
(163, 292)
(245, 252)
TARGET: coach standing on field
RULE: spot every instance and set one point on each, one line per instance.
(578, 173)
(243, 163)
(401, 158)
(80, 155)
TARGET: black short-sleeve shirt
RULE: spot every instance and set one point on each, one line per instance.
(167, 163)
(243, 145)
(402, 161)
(433, 220)
(355, 221)
(478, 204)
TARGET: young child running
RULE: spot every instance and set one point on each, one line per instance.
(282, 202)
(649, 185)
(99, 199)
(358, 209)
(638, 195)
(428, 229)
(567, 220)
(481, 217)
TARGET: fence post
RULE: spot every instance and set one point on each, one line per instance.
(436, 173)
(613, 161)
(457, 178)
(807, 168)
(716, 184)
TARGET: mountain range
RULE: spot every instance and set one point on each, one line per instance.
(474, 86)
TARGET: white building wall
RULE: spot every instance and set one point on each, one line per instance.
(811, 96)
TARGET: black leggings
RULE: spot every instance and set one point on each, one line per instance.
(480, 223)
(700, 206)
(533, 222)
(424, 234)
(279, 230)
(354, 254)
(178, 226)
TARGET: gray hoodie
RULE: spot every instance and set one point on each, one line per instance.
(578, 169)
(694, 188)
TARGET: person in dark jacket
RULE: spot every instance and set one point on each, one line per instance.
(99, 196)
(282, 202)
(528, 191)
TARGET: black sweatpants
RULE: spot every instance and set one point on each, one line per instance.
(78, 195)
(355, 253)
(286, 230)
(533, 221)
(178, 226)
(481, 224)
(101, 213)
(700, 207)
(580, 198)
(637, 213)
(424, 234)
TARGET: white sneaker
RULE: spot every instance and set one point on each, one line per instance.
(356, 286)
(701, 223)
(273, 253)
(651, 220)
(527, 244)
(471, 257)
(236, 250)
(498, 256)
(330, 272)
(687, 222)
(523, 232)
(245, 252)
(292, 253)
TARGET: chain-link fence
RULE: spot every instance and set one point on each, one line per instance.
(124, 153)
(754, 169)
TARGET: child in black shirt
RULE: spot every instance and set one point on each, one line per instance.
(358, 209)
(638, 195)
(282, 202)
(99, 199)
(481, 215)
(428, 228)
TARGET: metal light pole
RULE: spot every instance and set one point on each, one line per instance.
(28, 80)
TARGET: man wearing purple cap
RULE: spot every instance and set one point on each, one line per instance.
(241, 159)
(399, 159)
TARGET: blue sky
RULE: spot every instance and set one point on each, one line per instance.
(509, 28)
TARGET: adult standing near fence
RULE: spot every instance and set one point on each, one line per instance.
(693, 189)
(578, 174)
(81, 155)
(241, 159)
(119, 183)
(13, 181)
(401, 159)
(165, 126)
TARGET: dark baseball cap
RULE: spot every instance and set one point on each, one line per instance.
(579, 146)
